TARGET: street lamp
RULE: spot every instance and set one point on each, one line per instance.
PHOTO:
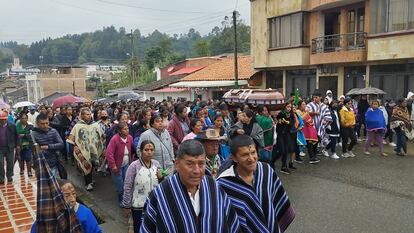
(131, 35)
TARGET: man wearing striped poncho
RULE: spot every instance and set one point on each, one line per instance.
(255, 191)
(189, 201)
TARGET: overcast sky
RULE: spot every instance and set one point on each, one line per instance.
(26, 21)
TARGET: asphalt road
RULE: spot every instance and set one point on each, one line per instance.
(368, 193)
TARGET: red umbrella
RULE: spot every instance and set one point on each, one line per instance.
(67, 99)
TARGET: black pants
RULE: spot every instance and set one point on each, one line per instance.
(348, 133)
(88, 179)
(359, 126)
(312, 149)
(136, 217)
(332, 144)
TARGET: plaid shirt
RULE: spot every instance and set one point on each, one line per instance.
(53, 213)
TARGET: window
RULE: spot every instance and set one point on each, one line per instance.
(287, 31)
(392, 15)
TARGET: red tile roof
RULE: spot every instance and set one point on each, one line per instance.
(224, 70)
(186, 70)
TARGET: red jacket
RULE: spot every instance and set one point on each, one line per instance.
(176, 131)
(115, 151)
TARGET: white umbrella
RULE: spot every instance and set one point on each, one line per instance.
(23, 104)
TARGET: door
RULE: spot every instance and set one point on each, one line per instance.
(328, 83)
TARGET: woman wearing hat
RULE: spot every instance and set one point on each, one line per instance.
(348, 122)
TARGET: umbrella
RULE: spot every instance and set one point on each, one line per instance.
(371, 91)
(3, 105)
(23, 104)
(353, 91)
(131, 96)
(67, 99)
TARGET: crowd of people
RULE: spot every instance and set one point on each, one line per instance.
(212, 160)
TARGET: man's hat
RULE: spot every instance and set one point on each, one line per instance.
(208, 135)
(3, 115)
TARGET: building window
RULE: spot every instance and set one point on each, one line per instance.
(288, 30)
(392, 15)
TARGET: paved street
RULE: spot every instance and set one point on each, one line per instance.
(362, 194)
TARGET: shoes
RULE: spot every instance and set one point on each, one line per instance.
(29, 174)
(285, 170)
(384, 154)
(345, 155)
(359, 140)
(367, 153)
(384, 142)
(298, 160)
(334, 156)
(89, 187)
(9, 179)
(314, 161)
(351, 154)
(302, 154)
(325, 153)
(291, 166)
(400, 154)
(392, 144)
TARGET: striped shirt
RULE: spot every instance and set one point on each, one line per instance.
(263, 207)
(169, 209)
(322, 119)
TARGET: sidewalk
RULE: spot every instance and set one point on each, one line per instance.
(18, 209)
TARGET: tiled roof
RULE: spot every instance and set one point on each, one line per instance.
(160, 83)
(186, 70)
(224, 70)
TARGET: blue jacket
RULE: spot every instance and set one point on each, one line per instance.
(52, 139)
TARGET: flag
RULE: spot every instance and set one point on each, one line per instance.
(296, 98)
(53, 212)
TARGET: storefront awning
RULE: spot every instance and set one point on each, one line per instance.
(191, 84)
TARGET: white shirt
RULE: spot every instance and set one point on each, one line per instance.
(125, 159)
(195, 202)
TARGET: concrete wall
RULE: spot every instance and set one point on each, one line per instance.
(393, 47)
(288, 57)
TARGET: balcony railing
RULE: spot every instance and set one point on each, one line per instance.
(339, 42)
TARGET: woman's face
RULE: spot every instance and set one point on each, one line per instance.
(147, 152)
(302, 106)
(288, 108)
(265, 111)
(124, 131)
(23, 119)
(246, 120)
(198, 128)
(148, 116)
(375, 105)
(218, 123)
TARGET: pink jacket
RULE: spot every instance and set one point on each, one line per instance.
(176, 131)
(115, 151)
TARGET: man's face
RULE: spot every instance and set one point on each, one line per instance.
(43, 124)
(86, 116)
(211, 147)
(246, 158)
(69, 194)
(224, 112)
(124, 118)
(317, 99)
(69, 111)
(191, 169)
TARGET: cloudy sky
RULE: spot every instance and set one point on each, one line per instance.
(26, 21)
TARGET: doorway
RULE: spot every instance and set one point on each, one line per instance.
(332, 30)
(328, 83)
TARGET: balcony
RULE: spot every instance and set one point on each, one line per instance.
(335, 43)
(349, 47)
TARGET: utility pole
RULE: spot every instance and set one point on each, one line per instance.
(132, 58)
(236, 73)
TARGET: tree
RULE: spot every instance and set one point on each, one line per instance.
(202, 48)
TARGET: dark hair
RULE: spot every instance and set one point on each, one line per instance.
(193, 123)
(121, 114)
(223, 106)
(249, 113)
(240, 141)
(300, 102)
(153, 118)
(203, 104)
(198, 109)
(400, 101)
(42, 116)
(63, 182)
(260, 108)
(144, 143)
(179, 108)
(120, 126)
(217, 116)
(23, 114)
(191, 148)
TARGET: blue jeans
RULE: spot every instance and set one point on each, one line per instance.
(6, 154)
(119, 182)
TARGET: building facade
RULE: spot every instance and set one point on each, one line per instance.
(334, 45)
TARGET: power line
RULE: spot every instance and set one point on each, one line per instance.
(153, 9)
